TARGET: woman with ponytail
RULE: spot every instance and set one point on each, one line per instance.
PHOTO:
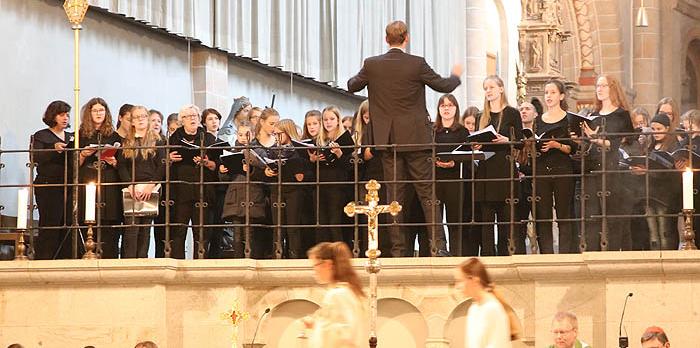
(490, 320)
(338, 322)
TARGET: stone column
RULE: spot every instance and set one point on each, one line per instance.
(475, 57)
(647, 63)
(210, 79)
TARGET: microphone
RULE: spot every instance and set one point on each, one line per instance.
(623, 341)
(267, 310)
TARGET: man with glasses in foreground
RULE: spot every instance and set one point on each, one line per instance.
(565, 331)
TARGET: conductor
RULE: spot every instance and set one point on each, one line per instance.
(396, 84)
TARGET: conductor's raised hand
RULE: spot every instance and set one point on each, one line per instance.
(457, 69)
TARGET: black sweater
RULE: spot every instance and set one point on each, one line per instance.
(51, 165)
(454, 135)
(617, 121)
(554, 158)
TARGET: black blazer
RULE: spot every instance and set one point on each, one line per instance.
(396, 84)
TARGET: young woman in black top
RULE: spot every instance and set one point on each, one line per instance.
(664, 188)
(310, 131)
(286, 198)
(96, 129)
(448, 189)
(189, 193)
(492, 195)
(245, 202)
(334, 166)
(53, 163)
(612, 117)
(553, 170)
(212, 119)
(143, 169)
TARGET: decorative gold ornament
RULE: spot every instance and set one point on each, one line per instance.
(75, 10)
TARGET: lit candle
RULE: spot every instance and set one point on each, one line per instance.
(688, 189)
(22, 197)
(90, 194)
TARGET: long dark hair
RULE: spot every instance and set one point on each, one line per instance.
(340, 255)
(438, 119)
(562, 90)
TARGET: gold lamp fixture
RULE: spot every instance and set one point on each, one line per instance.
(75, 10)
(642, 18)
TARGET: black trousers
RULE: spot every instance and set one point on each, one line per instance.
(287, 209)
(216, 234)
(159, 231)
(501, 212)
(52, 243)
(413, 165)
(109, 239)
(185, 211)
(450, 195)
(606, 202)
(554, 192)
(522, 214)
(332, 199)
(136, 239)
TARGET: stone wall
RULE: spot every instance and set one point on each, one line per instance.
(112, 303)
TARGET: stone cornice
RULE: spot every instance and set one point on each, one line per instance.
(415, 271)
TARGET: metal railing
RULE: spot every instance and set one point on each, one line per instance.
(269, 237)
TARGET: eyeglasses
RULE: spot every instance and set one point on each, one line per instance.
(561, 332)
(190, 116)
(446, 106)
(101, 111)
(139, 117)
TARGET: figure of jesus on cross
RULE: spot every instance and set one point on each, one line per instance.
(372, 210)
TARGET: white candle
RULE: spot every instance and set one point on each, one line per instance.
(22, 197)
(90, 194)
(688, 189)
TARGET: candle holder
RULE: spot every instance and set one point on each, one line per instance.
(688, 242)
(89, 243)
(20, 247)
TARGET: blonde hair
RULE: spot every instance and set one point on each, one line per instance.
(288, 126)
(264, 115)
(485, 119)
(323, 136)
(148, 142)
(359, 122)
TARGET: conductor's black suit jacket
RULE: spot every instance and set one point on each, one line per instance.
(396, 84)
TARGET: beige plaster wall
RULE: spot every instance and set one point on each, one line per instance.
(112, 303)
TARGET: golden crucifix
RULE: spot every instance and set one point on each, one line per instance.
(372, 210)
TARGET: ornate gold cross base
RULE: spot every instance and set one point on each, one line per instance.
(372, 210)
